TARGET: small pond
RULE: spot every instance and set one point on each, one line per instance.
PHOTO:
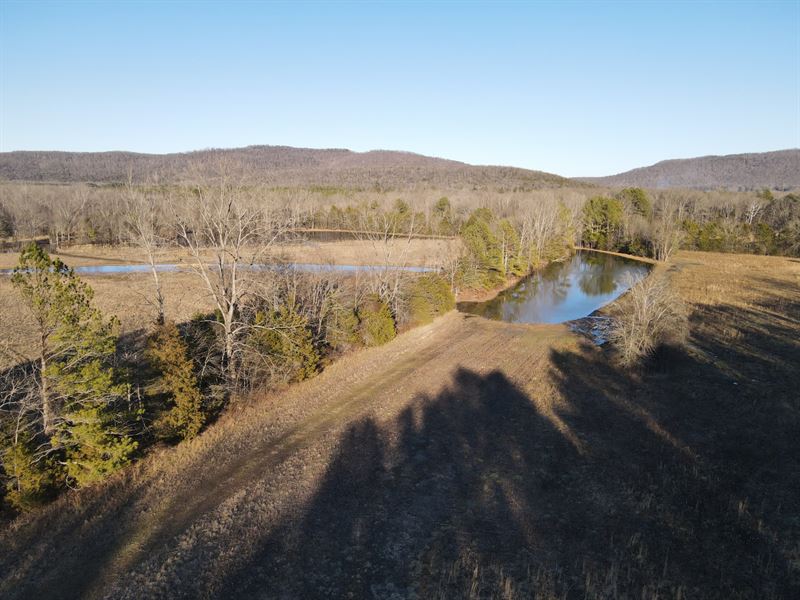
(563, 291)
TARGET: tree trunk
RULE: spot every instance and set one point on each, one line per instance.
(48, 416)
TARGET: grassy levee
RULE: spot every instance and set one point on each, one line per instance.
(472, 459)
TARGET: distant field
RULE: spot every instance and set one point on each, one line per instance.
(129, 296)
(416, 252)
(471, 459)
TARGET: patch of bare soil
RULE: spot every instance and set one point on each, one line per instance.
(471, 458)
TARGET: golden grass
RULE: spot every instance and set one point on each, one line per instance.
(472, 459)
(127, 296)
(416, 252)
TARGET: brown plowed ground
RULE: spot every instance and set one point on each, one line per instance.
(471, 458)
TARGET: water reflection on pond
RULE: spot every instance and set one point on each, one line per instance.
(563, 291)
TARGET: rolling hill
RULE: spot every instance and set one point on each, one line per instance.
(777, 170)
(273, 165)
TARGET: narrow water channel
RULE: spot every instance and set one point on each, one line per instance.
(563, 291)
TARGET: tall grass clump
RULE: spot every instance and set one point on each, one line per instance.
(649, 316)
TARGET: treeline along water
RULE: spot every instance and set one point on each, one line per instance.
(564, 290)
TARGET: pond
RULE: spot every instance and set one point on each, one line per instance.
(563, 291)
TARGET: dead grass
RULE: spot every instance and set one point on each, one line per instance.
(417, 252)
(477, 459)
(126, 296)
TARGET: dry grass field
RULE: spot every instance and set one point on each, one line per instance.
(472, 459)
(129, 296)
(416, 252)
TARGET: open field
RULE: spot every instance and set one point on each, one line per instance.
(415, 252)
(129, 296)
(472, 458)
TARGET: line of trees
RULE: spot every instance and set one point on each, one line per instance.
(79, 412)
(629, 220)
(633, 223)
(83, 409)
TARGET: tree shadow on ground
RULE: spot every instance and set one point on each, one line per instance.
(677, 481)
(680, 480)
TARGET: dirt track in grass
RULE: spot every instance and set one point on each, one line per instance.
(471, 458)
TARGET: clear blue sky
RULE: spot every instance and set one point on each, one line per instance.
(572, 88)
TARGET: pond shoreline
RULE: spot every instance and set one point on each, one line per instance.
(576, 287)
(644, 259)
(492, 293)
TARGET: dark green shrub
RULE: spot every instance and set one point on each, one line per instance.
(167, 352)
(375, 323)
(281, 346)
(429, 296)
(341, 327)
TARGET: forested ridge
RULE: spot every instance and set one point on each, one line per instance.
(272, 165)
(776, 170)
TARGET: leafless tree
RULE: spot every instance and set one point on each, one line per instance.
(752, 211)
(143, 217)
(390, 238)
(230, 235)
(650, 314)
(666, 226)
(68, 209)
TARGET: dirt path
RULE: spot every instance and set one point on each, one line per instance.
(472, 459)
(143, 522)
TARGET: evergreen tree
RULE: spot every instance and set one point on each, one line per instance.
(602, 222)
(376, 324)
(637, 200)
(513, 261)
(168, 353)
(84, 413)
(485, 250)
(282, 342)
(430, 296)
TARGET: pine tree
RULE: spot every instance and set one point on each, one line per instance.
(84, 414)
(485, 250)
(168, 353)
(429, 296)
(376, 324)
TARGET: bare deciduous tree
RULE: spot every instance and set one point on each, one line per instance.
(230, 235)
(666, 226)
(390, 237)
(650, 314)
(143, 217)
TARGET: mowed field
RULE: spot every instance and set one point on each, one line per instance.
(471, 458)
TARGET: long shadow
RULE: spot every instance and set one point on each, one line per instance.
(686, 483)
(401, 502)
(680, 480)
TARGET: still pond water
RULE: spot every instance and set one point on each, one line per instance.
(563, 291)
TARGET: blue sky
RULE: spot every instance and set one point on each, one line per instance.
(575, 88)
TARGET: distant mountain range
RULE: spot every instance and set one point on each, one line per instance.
(777, 170)
(274, 165)
(385, 169)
